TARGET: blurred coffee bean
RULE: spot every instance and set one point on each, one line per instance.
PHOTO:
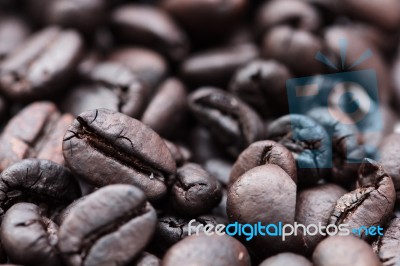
(309, 143)
(291, 46)
(130, 152)
(221, 250)
(41, 182)
(216, 66)
(262, 84)
(29, 237)
(34, 132)
(203, 145)
(148, 65)
(180, 153)
(370, 204)
(387, 246)
(147, 25)
(219, 168)
(195, 191)
(13, 31)
(315, 205)
(117, 235)
(41, 66)
(262, 153)
(286, 258)
(344, 251)
(231, 121)
(146, 259)
(389, 158)
(112, 86)
(167, 109)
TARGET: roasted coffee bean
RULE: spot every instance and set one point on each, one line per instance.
(204, 146)
(195, 191)
(146, 64)
(150, 26)
(42, 66)
(387, 246)
(231, 121)
(264, 152)
(82, 15)
(314, 206)
(291, 46)
(147, 259)
(344, 251)
(309, 143)
(215, 67)
(347, 149)
(13, 31)
(130, 152)
(389, 157)
(286, 258)
(221, 169)
(29, 237)
(180, 153)
(39, 181)
(112, 86)
(370, 204)
(166, 110)
(221, 250)
(171, 229)
(110, 226)
(262, 84)
(35, 132)
(297, 14)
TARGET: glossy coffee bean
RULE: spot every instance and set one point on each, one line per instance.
(309, 143)
(195, 191)
(264, 152)
(371, 203)
(286, 258)
(262, 84)
(112, 86)
(387, 246)
(41, 66)
(28, 237)
(130, 152)
(34, 132)
(230, 120)
(118, 232)
(167, 108)
(13, 31)
(390, 152)
(39, 181)
(344, 251)
(315, 205)
(207, 250)
(150, 26)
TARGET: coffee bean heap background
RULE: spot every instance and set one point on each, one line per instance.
(124, 120)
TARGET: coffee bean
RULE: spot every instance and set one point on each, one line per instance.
(150, 26)
(221, 169)
(387, 246)
(113, 235)
(34, 132)
(180, 153)
(204, 146)
(309, 143)
(112, 86)
(390, 152)
(29, 237)
(264, 152)
(13, 31)
(344, 251)
(147, 259)
(42, 66)
(231, 121)
(286, 258)
(207, 250)
(195, 191)
(130, 152)
(370, 204)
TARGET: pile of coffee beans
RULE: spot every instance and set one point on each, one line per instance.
(137, 132)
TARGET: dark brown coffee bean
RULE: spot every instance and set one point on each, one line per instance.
(195, 191)
(264, 152)
(146, 259)
(114, 235)
(13, 31)
(35, 132)
(221, 169)
(231, 121)
(207, 250)
(370, 204)
(150, 26)
(389, 157)
(112, 86)
(180, 153)
(387, 246)
(28, 237)
(42, 66)
(344, 251)
(203, 145)
(167, 109)
(286, 258)
(130, 152)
